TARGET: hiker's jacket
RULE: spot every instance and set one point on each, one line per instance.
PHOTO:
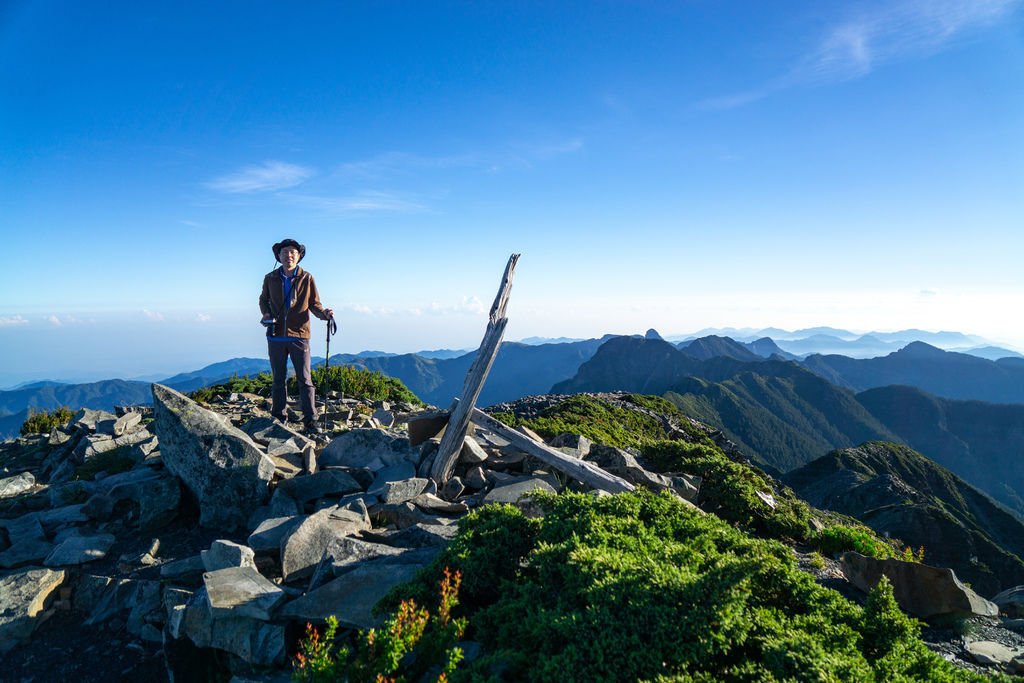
(292, 319)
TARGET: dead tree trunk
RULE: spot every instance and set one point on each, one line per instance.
(451, 442)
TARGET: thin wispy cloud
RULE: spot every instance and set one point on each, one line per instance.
(54, 320)
(203, 318)
(358, 203)
(153, 315)
(12, 320)
(393, 163)
(266, 177)
(877, 34)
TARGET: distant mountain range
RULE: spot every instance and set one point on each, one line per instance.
(784, 415)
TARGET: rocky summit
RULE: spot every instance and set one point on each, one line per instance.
(192, 542)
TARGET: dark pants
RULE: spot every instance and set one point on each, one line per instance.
(299, 352)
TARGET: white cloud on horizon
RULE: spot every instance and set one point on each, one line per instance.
(878, 34)
(153, 315)
(203, 318)
(266, 177)
(13, 320)
(468, 305)
(54, 320)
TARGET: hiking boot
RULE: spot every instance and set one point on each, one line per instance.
(311, 426)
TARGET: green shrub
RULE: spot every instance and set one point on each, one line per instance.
(44, 421)
(599, 421)
(363, 384)
(642, 587)
(352, 381)
(837, 538)
(729, 489)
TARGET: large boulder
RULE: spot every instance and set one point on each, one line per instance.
(219, 463)
(24, 596)
(919, 589)
(352, 596)
(1011, 602)
(304, 544)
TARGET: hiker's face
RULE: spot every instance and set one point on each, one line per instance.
(289, 257)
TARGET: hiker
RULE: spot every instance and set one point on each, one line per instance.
(289, 296)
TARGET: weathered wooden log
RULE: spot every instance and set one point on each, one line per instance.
(455, 433)
(580, 470)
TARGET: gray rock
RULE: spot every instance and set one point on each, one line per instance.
(69, 493)
(576, 445)
(185, 569)
(453, 488)
(158, 498)
(393, 492)
(241, 592)
(404, 515)
(24, 597)
(416, 536)
(255, 642)
(476, 478)
(397, 472)
(426, 425)
(919, 589)
(472, 452)
(624, 464)
(512, 491)
(1011, 602)
(79, 550)
(25, 552)
(282, 447)
(344, 554)
(372, 448)
(69, 514)
(268, 535)
(352, 596)
(127, 423)
(217, 462)
(87, 419)
(223, 554)
(323, 483)
(385, 418)
(991, 653)
(428, 502)
(304, 545)
(265, 430)
(58, 437)
(105, 598)
(16, 485)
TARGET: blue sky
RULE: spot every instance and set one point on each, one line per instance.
(676, 165)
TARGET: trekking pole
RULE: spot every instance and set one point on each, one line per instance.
(332, 328)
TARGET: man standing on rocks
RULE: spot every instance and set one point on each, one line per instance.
(289, 296)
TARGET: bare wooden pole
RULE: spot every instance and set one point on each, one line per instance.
(580, 470)
(451, 442)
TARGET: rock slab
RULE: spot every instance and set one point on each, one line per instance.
(219, 463)
(922, 590)
(23, 599)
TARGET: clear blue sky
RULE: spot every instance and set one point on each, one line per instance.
(676, 165)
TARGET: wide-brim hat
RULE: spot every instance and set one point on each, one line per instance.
(289, 243)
